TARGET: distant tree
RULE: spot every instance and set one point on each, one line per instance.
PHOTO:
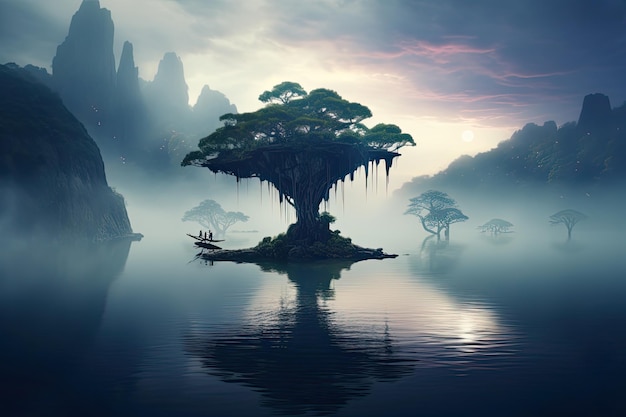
(496, 226)
(436, 211)
(211, 215)
(569, 218)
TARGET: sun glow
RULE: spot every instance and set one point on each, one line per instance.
(467, 136)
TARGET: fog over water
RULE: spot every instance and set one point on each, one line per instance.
(525, 322)
(529, 322)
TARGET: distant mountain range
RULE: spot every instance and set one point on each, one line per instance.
(133, 121)
(587, 152)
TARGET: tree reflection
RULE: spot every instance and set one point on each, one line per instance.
(297, 357)
(439, 256)
(499, 239)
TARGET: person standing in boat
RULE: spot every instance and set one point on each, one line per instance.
(200, 235)
(210, 235)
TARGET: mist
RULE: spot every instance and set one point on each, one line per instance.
(372, 215)
(113, 300)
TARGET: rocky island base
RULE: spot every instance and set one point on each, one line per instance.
(282, 248)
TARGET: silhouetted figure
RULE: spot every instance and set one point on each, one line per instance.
(204, 235)
(200, 235)
(210, 235)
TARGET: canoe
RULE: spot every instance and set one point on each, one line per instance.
(206, 245)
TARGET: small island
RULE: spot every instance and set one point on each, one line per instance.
(303, 144)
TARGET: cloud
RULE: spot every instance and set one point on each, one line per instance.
(30, 31)
(485, 62)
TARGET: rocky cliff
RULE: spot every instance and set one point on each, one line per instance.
(83, 70)
(130, 112)
(141, 123)
(52, 177)
(591, 151)
(168, 94)
(596, 115)
(211, 104)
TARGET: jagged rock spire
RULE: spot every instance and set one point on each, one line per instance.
(596, 113)
(169, 81)
(83, 70)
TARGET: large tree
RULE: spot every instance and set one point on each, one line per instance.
(569, 218)
(211, 215)
(436, 211)
(303, 144)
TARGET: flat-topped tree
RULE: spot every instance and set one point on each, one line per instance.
(303, 144)
(569, 218)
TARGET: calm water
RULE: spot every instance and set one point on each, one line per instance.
(487, 327)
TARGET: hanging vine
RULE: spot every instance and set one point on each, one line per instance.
(303, 144)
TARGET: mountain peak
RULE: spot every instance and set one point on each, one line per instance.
(169, 82)
(596, 113)
(83, 69)
(90, 3)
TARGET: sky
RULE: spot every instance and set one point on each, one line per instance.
(459, 76)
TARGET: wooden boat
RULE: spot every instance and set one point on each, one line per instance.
(205, 243)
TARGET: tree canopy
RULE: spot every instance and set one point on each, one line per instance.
(302, 143)
(211, 215)
(294, 116)
(436, 211)
(569, 218)
(496, 226)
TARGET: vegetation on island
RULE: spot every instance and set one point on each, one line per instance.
(303, 143)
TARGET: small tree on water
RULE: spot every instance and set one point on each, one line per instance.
(569, 218)
(496, 226)
(436, 211)
(212, 216)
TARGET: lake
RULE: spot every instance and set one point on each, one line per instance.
(514, 325)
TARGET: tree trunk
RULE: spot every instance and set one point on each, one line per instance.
(303, 173)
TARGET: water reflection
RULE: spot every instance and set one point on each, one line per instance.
(51, 304)
(497, 239)
(296, 355)
(439, 255)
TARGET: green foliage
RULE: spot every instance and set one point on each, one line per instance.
(327, 218)
(282, 248)
(283, 93)
(302, 143)
(292, 115)
(276, 248)
(387, 136)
